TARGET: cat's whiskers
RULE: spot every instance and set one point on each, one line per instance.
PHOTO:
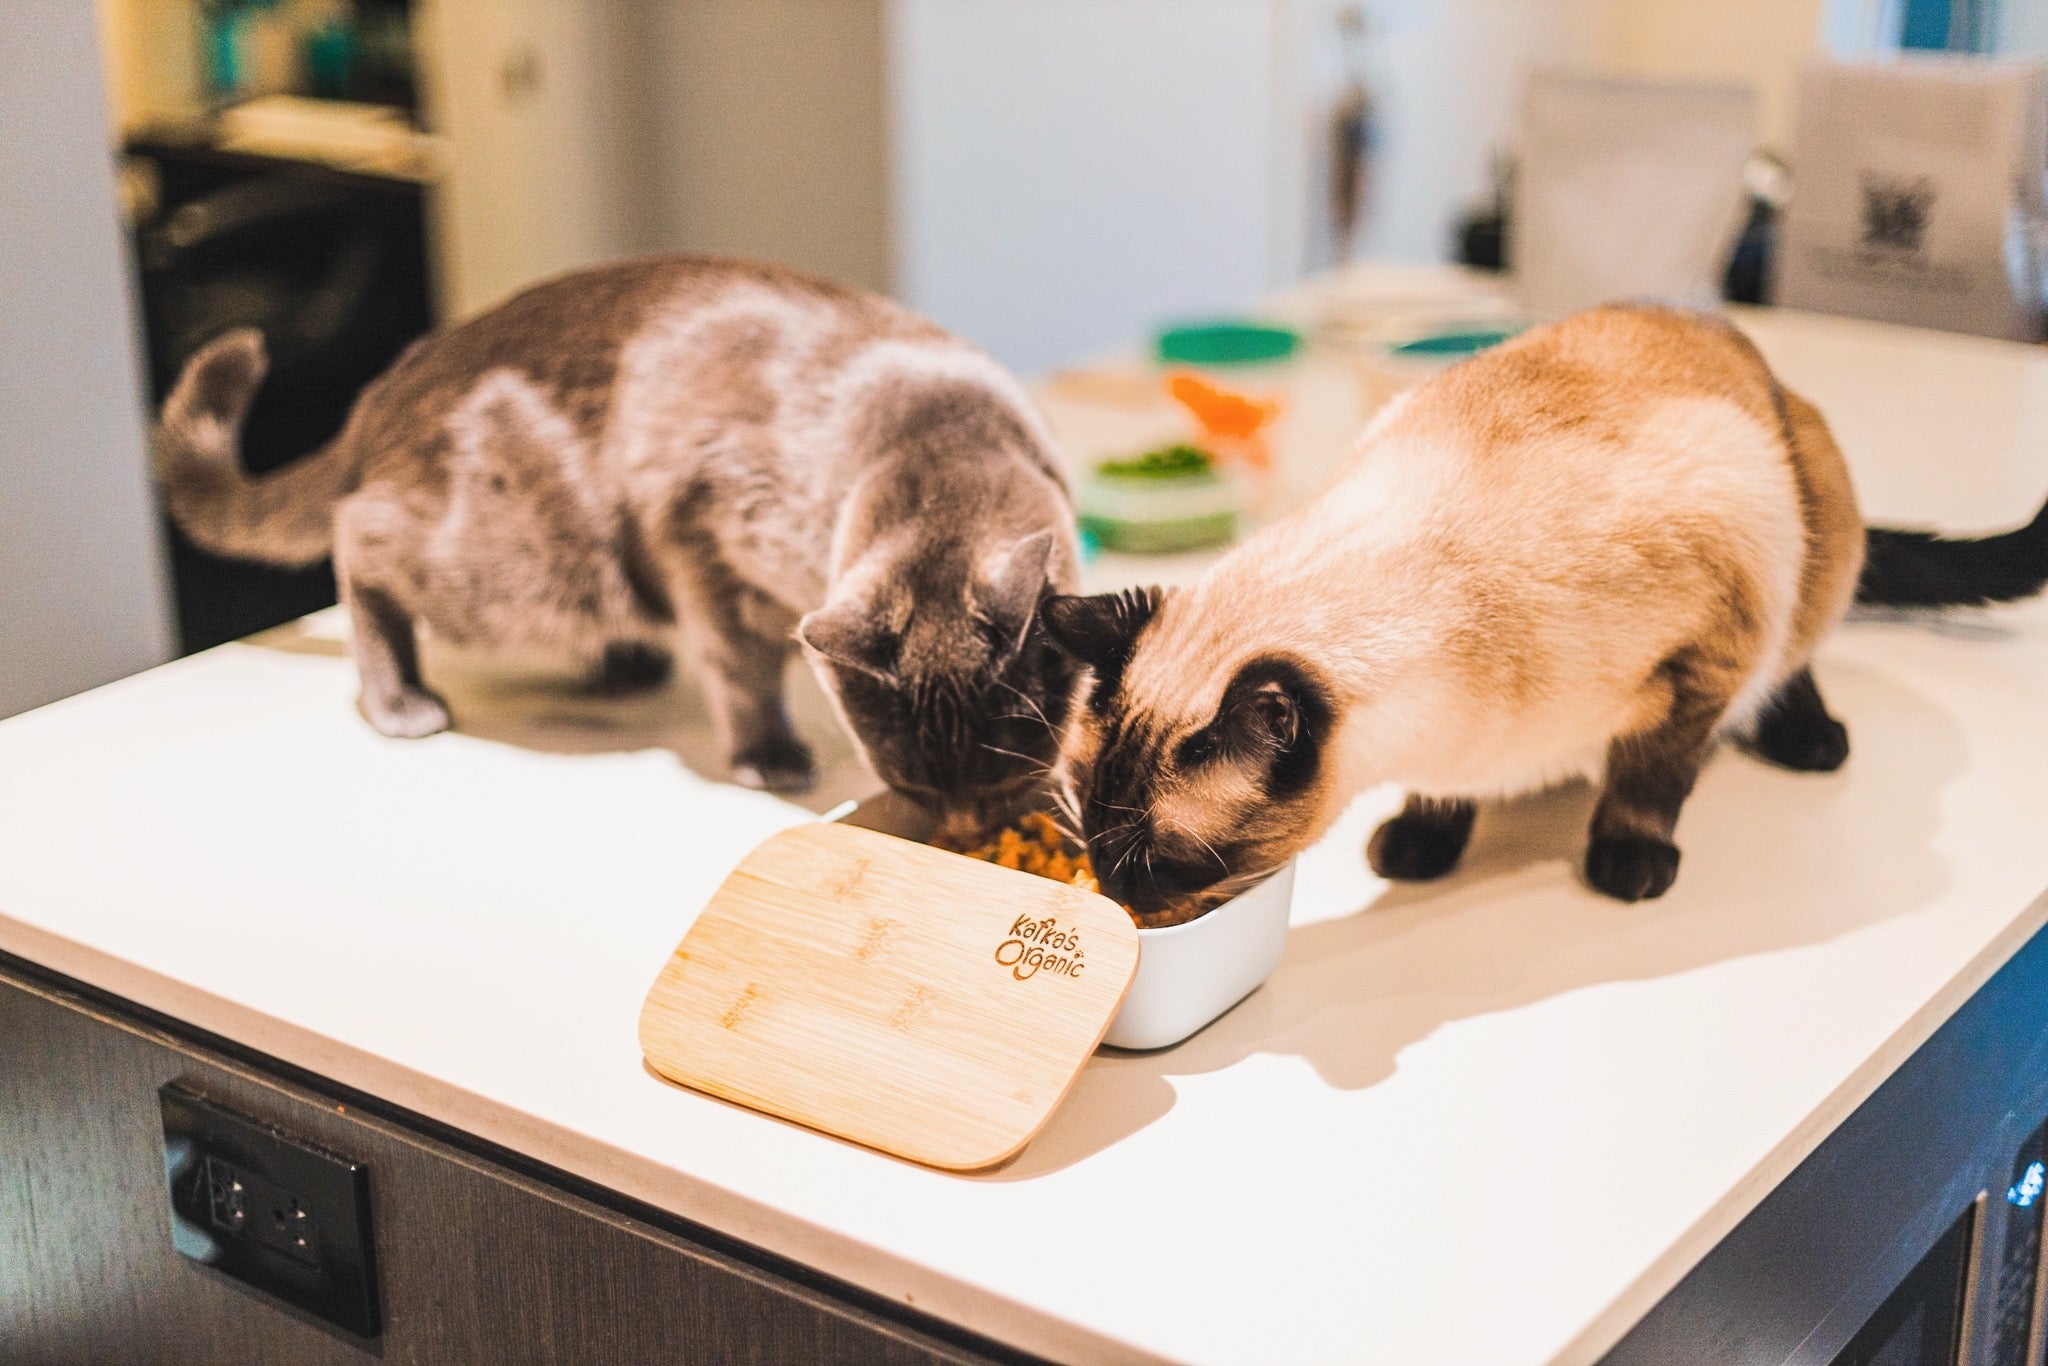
(1130, 846)
(1039, 765)
(1028, 701)
(1066, 814)
(1207, 847)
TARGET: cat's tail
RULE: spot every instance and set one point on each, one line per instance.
(284, 517)
(1921, 569)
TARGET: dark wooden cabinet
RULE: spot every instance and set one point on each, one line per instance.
(1912, 1233)
(475, 1262)
(1911, 1236)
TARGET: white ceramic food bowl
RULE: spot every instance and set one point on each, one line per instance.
(1187, 974)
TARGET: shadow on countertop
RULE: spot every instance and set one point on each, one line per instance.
(1818, 857)
(543, 707)
(1815, 857)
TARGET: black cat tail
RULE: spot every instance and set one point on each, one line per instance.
(283, 517)
(1920, 569)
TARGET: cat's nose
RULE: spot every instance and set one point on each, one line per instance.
(1120, 874)
(1134, 890)
(963, 827)
(979, 815)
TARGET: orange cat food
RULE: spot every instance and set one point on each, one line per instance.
(1036, 844)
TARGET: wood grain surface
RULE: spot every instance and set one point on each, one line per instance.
(476, 1264)
(913, 1000)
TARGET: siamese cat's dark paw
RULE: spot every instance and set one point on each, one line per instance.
(1795, 730)
(1631, 867)
(632, 667)
(781, 764)
(1801, 742)
(408, 714)
(1424, 842)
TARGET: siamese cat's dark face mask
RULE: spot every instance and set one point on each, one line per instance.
(952, 689)
(1188, 806)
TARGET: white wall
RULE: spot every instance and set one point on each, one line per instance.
(81, 575)
(1070, 172)
(1447, 77)
(578, 132)
(2020, 28)
(764, 132)
(1067, 172)
(1761, 42)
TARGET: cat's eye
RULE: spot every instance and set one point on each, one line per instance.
(1196, 750)
(994, 635)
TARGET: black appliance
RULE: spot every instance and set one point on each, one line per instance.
(332, 266)
(1912, 1235)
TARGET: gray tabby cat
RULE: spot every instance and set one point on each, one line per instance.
(740, 451)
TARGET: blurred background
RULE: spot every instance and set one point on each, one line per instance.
(1051, 178)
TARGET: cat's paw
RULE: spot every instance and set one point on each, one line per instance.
(631, 667)
(1802, 742)
(408, 714)
(1409, 848)
(781, 764)
(1631, 867)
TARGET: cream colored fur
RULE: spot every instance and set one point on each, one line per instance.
(1539, 554)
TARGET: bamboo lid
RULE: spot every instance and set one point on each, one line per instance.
(926, 1004)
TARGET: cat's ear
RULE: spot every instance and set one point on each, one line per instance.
(1269, 716)
(1013, 580)
(850, 632)
(1102, 631)
(1278, 713)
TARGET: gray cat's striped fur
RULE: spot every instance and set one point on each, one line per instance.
(748, 454)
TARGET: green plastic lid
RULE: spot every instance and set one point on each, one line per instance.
(1460, 343)
(1226, 342)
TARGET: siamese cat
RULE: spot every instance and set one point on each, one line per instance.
(1594, 550)
(741, 453)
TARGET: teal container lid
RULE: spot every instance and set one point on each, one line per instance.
(1226, 342)
(1464, 342)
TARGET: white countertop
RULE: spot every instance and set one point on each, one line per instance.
(1490, 1120)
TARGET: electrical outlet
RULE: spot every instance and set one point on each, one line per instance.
(241, 1203)
(271, 1210)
